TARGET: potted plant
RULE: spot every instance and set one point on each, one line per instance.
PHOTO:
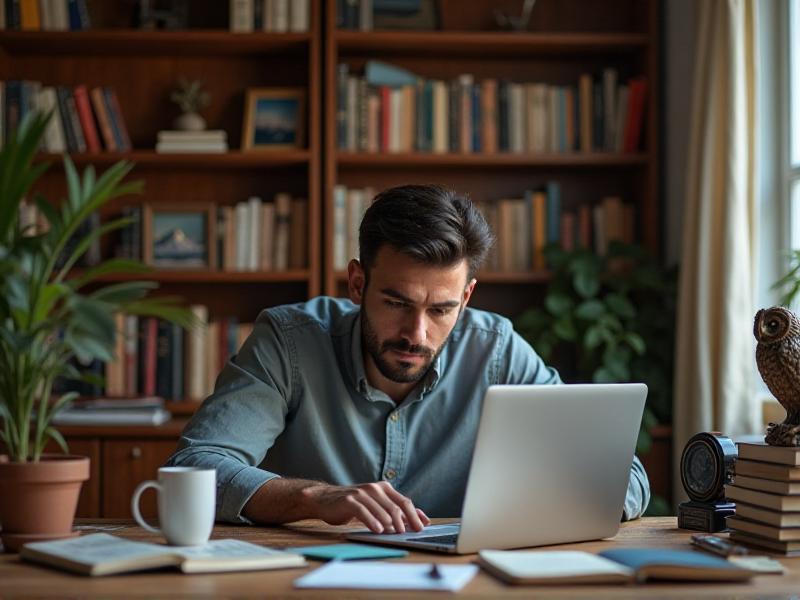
(50, 315)
(191, 99)
(610, 319)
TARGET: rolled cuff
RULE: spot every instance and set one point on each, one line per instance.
(638, 496)
(236, 483)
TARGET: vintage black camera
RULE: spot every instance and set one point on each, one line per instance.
(707, 464)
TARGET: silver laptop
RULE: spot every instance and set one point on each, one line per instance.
(551, 465)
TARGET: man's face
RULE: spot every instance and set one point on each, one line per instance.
(408, 311)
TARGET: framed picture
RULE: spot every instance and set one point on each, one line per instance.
(274, 119)
(179, 236)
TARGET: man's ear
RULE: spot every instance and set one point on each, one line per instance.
(468, 291)
(356, 279)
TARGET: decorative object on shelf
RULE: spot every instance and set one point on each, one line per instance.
(47, 319)
(520, 23)
(191, 98)
(152, 14)
(274, 119)
(777, 330)
(416, 15)
(707, 464)
(179, 236)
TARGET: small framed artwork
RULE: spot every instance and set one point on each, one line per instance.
(274, 119)
(179, 236)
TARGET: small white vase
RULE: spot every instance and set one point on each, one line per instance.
(190, 121)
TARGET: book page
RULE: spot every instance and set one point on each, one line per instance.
(98, 548)
(222, 549)
(552, 564)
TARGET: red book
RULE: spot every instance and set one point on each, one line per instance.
(633, 126)
(386, 116)
(567, 231)
(86, 118)
(585, 226)
(150, 338)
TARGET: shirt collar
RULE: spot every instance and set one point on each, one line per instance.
(360, 374)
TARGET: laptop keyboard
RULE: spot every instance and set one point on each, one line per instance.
(448, 539)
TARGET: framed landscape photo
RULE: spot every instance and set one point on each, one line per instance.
(274, 119)
(179, 236)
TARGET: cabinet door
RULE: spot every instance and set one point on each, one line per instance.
(89, 500)
(126, 463)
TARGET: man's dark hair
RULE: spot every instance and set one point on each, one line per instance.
(428, 223)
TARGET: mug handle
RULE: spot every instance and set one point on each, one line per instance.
(135, 504)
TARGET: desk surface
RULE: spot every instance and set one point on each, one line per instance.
(18, 578)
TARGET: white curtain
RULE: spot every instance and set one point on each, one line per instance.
(715, 360)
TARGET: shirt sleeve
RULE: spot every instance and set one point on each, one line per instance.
(520, 364)
(236, 426)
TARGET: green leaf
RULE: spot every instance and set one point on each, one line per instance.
(50, 294)
(590, 310)
(586, 283)
(557, 303)
(621, 306)
(635, 341)
(122, 293)
(594, 337)
(564, 328)
(58, 438)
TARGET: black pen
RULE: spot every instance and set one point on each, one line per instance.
(435, 573)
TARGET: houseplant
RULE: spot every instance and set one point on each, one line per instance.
(50, 315)
(609, 319)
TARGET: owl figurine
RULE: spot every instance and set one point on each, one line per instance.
(777, 330)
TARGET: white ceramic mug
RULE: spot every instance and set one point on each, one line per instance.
(186, 504)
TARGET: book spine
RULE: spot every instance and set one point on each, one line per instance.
(86, 119)
(115, 110)
(163, 359)
(99, 105)
(298, 235)
(341, 106)
(283, 216)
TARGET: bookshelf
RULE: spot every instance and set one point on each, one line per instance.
(564, 40)
(142, 67)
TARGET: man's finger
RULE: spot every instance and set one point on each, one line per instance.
(407, 508)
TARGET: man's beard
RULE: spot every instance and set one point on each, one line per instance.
(404, 372)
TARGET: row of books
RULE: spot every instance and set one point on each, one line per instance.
(44, 15)
(158, 358)
(171, 141)
(83, 119)
(277, 16)
(523, 226)
(465, 115)
(252, 235)
(766, 489)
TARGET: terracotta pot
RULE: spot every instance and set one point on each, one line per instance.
(38, 500)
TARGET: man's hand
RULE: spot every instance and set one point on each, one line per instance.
(378, 505)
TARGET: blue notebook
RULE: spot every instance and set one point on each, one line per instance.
(349, 552)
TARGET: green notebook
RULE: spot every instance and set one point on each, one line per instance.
(348, 552)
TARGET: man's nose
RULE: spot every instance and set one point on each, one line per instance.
(415, 328)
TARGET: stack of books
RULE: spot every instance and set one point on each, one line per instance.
(215, 140)
(114, 411)
(766, 490)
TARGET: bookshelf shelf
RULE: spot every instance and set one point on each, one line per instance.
(201, 276)
(135, 43)
(229, 160)
(491, 277)
(486, 44)
(347, 159)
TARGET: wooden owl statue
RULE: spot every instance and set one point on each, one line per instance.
(777, 330)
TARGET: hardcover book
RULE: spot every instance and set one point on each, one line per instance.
(784, 455)
(621, 565)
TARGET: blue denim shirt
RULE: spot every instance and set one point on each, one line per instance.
(295, 402)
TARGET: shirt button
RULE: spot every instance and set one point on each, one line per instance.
(394, 416)
(390, 474)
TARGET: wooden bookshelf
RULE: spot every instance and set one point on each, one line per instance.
(565, 39)
(143, 67)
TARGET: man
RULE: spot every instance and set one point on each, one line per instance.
(369, 409)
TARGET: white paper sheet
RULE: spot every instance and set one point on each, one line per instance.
(378, 575)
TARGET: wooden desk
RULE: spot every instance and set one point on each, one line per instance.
(18, 578)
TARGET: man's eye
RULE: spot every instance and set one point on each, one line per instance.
(394, 304)
(440, 312)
